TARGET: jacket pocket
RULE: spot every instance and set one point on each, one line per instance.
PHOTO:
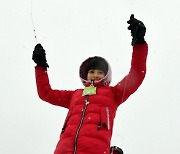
(65, 123)
(104, 123)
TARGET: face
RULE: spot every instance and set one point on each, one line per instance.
(95, 75)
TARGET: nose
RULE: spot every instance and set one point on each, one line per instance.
(96, 76)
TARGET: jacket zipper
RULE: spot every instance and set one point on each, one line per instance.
(80, 124)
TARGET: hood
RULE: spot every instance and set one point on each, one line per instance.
(83, 73)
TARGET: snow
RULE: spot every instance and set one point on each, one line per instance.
(71, 31)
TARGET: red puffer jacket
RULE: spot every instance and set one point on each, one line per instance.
(89, 122)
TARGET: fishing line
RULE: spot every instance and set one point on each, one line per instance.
(32, 20)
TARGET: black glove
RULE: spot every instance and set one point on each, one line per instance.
(39, 56)
(137, 29)
(116, 150)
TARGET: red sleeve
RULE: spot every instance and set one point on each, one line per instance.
(46, 93)
(130, 83)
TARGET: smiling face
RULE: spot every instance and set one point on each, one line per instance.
(95, 75)
(95, 68)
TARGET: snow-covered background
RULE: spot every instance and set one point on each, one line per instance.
(71, 31)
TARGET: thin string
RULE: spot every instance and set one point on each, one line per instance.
(34, 31)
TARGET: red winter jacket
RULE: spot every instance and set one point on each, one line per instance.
(89, 123)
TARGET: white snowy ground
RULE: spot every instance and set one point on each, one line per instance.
(148, 123)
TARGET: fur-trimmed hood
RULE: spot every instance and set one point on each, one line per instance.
(83, 72)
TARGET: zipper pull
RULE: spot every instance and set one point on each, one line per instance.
(87, 103)
(87, 100)
(99, 126)
(92, 83)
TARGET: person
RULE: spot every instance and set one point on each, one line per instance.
(89, 123)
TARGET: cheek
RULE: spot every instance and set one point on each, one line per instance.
(102, 76)
(89, 76)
